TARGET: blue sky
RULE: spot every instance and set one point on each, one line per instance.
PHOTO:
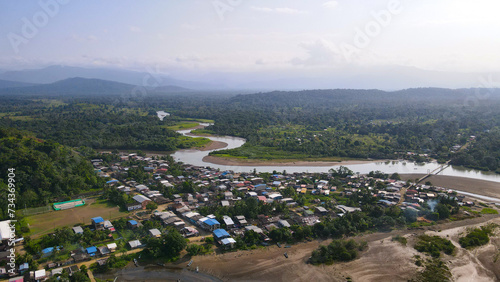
(260, 36)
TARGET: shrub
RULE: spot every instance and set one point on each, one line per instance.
(434, 245)
(337, 250)
(435, 270)
(400, 239)
(477, 236)
(489, 211)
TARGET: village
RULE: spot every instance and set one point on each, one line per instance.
(238, 210)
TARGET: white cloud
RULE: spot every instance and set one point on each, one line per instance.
(190, 26)
(285, 10)
(325, 53)
(135, 29)
(319, 53)
(262, 9)
(331, 4)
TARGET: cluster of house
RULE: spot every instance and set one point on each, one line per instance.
(218, 188)
(159, 166)
(144, 195)
(413, 198)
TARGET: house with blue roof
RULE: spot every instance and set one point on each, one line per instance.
(132, 223)
(91, 251)
(209, 224)
(98, 222)
(220, 234)
(23, 267)
(49, 250)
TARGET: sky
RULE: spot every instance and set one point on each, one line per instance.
(214, 38)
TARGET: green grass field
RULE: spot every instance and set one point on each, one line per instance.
(489, 211)
(183, 125)
(51, 102)
(190, 142)
(41, 224)
(200, 120)
(270, 153)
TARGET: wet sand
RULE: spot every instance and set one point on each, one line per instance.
(283, 162)
(476, 186)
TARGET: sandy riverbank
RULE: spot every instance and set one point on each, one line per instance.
(213, 145)
(476, 186)
(383, 261)
(283, 162)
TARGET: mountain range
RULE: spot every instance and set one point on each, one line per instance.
(53, 74)
(384, 78)
(10, 84)
(81, 86)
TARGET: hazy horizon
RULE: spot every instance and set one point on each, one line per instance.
(390, 44)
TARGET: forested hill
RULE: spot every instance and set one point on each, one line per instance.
(11, 84)
(320, 99)
(99, 126)
(76, 86)
(483, 153)
(44, 170)
(363, 124)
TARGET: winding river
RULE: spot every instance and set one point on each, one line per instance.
(195, 157)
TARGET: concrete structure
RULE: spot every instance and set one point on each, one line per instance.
(220, 234)
(134, 244)
(98, 222)
(141, 199)
(155, 233)
(209, 224)
(78, 230)
(228, 221)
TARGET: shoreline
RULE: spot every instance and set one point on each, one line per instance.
(465, 184)
(199, 126)
(283, 162)
(213, 145)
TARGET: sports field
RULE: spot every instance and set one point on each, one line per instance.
(41, 224)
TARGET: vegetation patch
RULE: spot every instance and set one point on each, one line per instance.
(337, 250)
(183, 125)
(489, 211)
(477, 236)
(400, 239)
(202, 131)
(248, 151)
(434, 245)
(434, 270)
